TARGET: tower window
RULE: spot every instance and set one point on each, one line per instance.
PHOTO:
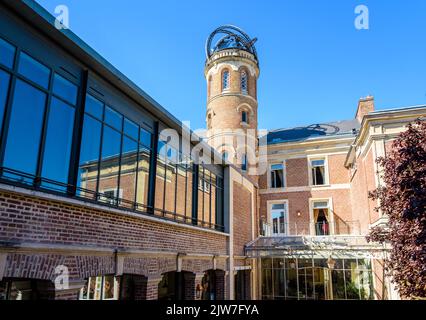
(244, 117)
(244, 86)
(225, 80)
(244, 163)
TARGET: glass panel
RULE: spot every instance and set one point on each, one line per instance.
(94, 107)
(267, 284)
(145, 138)
(279, 283)
(7, 53)
(25, 128)
(317, 163)
(225, 80)
(352, 284)
(366, 285)
(169, 204)
(4, 89)
(128, 170)
(181, 188)
(219, 202)
(277, 206)
(189, 190)
(277, 166)
(109, 167)
(108, 288)
(143, 176)
(65, 89)
(113, 118)
(89, 156)
(131, 129)
(58, 142)
(320, 205)
(20, 290)
(291, 283)
(34, 70)
(338, 284)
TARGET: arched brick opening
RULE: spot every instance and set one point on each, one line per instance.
(177, 286)
(26, 289)
(212, 286)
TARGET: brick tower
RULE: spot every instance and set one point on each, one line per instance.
(231, 71)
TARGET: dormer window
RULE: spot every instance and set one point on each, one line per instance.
(244, 82)
(225, 80)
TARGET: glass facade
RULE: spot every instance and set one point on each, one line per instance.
(307, 278)
(60, 136)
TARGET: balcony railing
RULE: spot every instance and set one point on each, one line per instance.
(311, 228)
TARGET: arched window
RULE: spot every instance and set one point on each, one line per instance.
(244, 82)
(225, 80)
(244, 117)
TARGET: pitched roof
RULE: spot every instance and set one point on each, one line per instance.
(314, 131)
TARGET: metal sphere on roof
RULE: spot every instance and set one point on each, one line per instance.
(230, 37)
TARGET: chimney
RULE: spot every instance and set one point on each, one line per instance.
(365, 106)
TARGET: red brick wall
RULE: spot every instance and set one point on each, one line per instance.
(25, 219)
(242, 218)
(336, 168)
(297, 172)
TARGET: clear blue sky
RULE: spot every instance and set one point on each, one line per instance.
(314, 64)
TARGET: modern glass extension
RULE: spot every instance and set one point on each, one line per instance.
(313, 277)
(63, 133)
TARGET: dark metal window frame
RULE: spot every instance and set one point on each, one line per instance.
(79, 109)
(14, 76)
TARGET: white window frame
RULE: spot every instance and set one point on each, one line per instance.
(118, 194)
(330, 213)
(287, 215)
(284, 175)
(326, 172)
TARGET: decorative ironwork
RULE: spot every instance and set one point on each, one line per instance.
(231, 37)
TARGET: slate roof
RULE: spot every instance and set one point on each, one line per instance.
(314, 131)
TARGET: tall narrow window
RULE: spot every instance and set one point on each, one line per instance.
(277, 175)
(59, 132)
(278, 217)
(244, 163)
(244, 117)
(25, 128)
(225, 80)
(318, 172)
(4, 89)
(244, 82)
